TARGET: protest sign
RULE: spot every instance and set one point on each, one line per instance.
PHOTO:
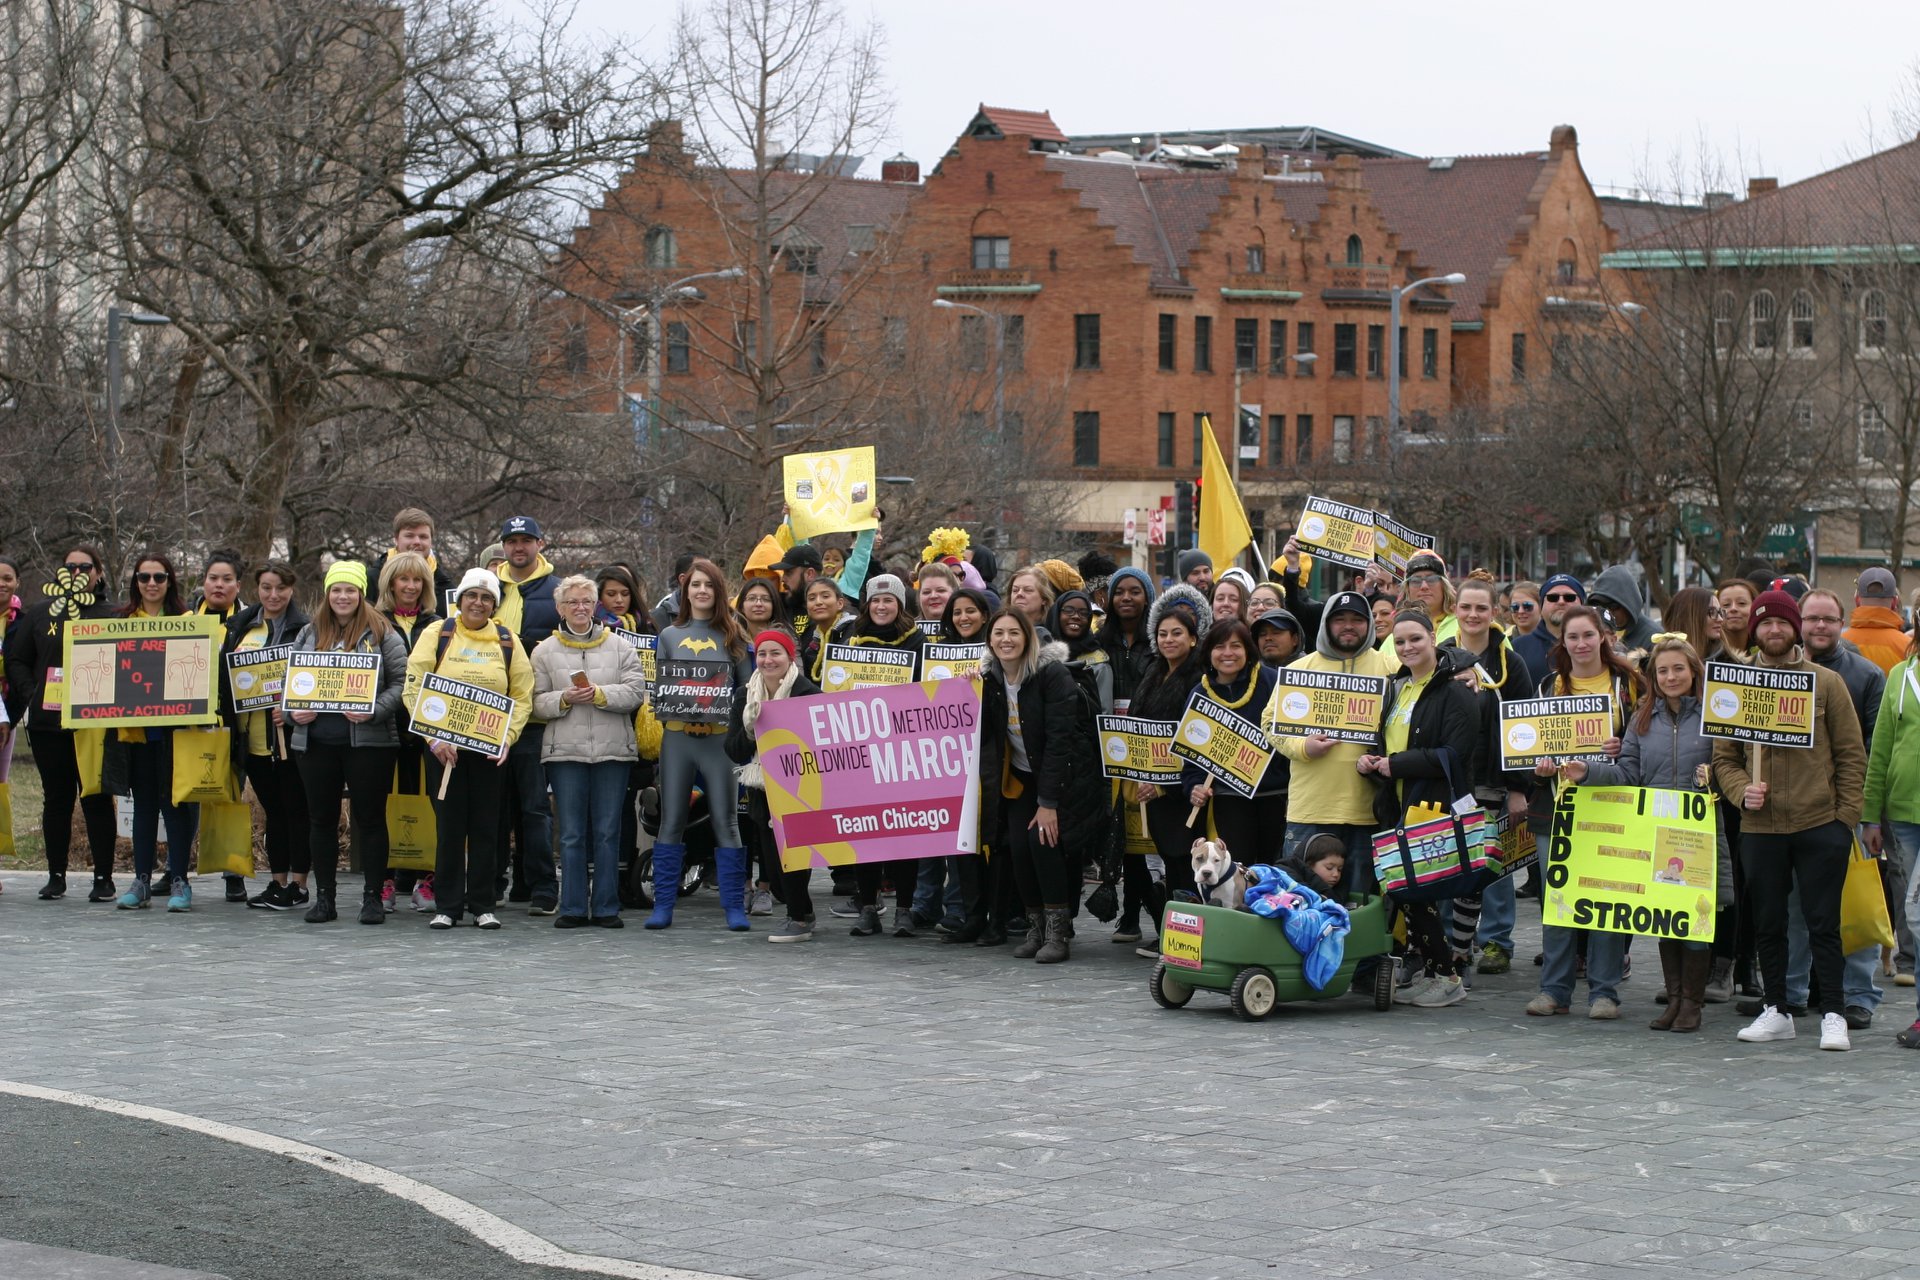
(648, 647)
(140, 671)
(864, 666)
(1570, 728)
(873, 775)
(947, 661)
(1138, 750)
(1341, 533)
(255, 676)
(932, 628)
(1763, 705)
(465, 715)
(693, 690)
(1332, 704)
(1226, 745)
(830, 492)
(1633, 860)
(1394, 544)
(331, 682)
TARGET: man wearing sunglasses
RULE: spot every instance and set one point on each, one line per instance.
(1557, 595)
(35, 690)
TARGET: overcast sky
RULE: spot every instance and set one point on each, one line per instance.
(1780, 89)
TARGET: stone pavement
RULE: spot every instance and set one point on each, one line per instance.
(887, 1108)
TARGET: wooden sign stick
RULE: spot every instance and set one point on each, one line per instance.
(446, 776)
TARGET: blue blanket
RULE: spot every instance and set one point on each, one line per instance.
(1316, 926)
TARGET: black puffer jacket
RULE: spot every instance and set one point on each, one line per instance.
(1057, 732)
(1447, 717)
(281, 630)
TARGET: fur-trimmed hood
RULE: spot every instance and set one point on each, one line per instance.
(1180, 593)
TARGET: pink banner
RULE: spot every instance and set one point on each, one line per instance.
(874, 775)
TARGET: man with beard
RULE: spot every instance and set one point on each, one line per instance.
(1557, 595)
(1799, 811)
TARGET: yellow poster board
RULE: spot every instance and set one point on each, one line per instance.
(1343, 534)
(1633, 860)
(255, 677)
(1394, 544)
(469, 717)
(943, 661)
(1766, 705)
(331, 682)
(1138, 750)
(1226, 745)
(864, 666)
(1333, 704)
(830, 492)
(1559, 729)
(140, 671)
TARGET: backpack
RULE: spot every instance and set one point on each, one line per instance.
(446, 638)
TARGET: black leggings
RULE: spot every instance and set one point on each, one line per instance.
(282, 794)
(1428, 937)
(1039, 869)
(867, 878)
(365, 773)
(59, 788)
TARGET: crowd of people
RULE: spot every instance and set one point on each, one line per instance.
(555, 820)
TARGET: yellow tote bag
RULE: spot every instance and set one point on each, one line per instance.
(226, 838)
(203, 766)
(1863, 906)
(412, 831)
(90, 754)
(6, 820)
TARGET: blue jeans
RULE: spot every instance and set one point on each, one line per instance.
(587, 800)
(1861, 990)
(1605, 951)
(1498, 904)
(1358, 875)
(936, 895)
(150, 775)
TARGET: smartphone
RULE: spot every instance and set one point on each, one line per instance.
(580, 680)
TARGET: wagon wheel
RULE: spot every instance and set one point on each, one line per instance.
(1168, 991)
(1383, 975)
(1253, 994)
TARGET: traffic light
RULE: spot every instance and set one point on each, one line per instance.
(1184, 492)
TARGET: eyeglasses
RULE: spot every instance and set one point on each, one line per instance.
(1566, 598)
(1076, 613)
(1524, 606)
(1716, 612)
(1424, 580)
(1829, 620)
(152, 577)
(79, 566)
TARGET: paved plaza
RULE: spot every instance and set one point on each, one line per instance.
(883, 1108)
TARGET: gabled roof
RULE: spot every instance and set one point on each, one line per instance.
(820, 210)
(1157, 211)
(1299, 140)
(1037, 125)
(1459, 215)
(1870, 203)
(1630, 219)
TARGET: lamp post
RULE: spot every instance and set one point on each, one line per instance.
(115, 319)
(1393, 368)
(999, 356)
(655, 308)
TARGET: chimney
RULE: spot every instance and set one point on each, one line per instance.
(900, 168)
(1760, 186)
(666, 140)
(1563, 138)
(1345, 174)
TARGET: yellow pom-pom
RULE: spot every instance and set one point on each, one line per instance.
(942, 543)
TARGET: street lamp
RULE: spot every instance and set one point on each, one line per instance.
(999, 356)
(655, 307)
(1632, 309)
(1393, 367)
(115, 318)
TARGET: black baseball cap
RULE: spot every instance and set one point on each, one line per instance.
(802, 555)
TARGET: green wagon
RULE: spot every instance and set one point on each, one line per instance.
(1249, 958)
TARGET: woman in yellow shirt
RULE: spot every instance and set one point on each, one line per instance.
(470, 647)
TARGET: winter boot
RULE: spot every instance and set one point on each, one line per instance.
(1036, 934)
(1695, 965)
(732, 865)
(668, 862)
(1054, 950)
(372, 909)
(1670, 961)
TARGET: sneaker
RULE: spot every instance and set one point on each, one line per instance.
(297, 896)
(1493, 960)
(441, 922)
(793, 931)
(103, 890)
(1126, 933)
(1545, 1006)
(1411, 992)
(902, 923)
(760, 903)
(136, 898)
(488, 920)
(272, 898)
(1858, 1016)
(869, 923)
(542, 907)
(181, 899)
(55, 887)
(1149, 952)
(1833, 1033)
(1440, 993)
(1604, 1010)
(1772, 1025)
(371, 910)
(423, 896)
(846, 909)
(387, 897)
(1910, 1038)
(609, 922)
(570, 922)
(322, 911)
(236, 889)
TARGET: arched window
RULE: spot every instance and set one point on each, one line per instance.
(1761, 313)
(1567, 266)
(1356, 252)
(1873, 321)
(1725, 308)
(662, 249)
(1800, 322)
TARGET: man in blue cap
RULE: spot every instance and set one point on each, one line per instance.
(1557, 595)
(527, 607)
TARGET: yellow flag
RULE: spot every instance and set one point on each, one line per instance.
(1224, 531)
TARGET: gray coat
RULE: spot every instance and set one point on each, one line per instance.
(1667, 755)
(587, 734)
(384, 729)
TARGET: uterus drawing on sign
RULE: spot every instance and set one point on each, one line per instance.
(90, 681)
(186, 670)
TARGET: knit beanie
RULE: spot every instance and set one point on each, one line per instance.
(780, 638)
(1563, 580)
(350, 572)
(1777, 604)
(1189, 561)
(1062, 575)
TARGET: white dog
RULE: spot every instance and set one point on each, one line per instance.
(1220, 880)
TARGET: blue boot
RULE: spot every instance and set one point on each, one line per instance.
(669, 860)
(733, 887)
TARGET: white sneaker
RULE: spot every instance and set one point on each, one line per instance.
(1411, 993)
(1833, 1033)
(1441, 992)
(486, 920)
(423, 897)
(441, 921)
(1775, 1025)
